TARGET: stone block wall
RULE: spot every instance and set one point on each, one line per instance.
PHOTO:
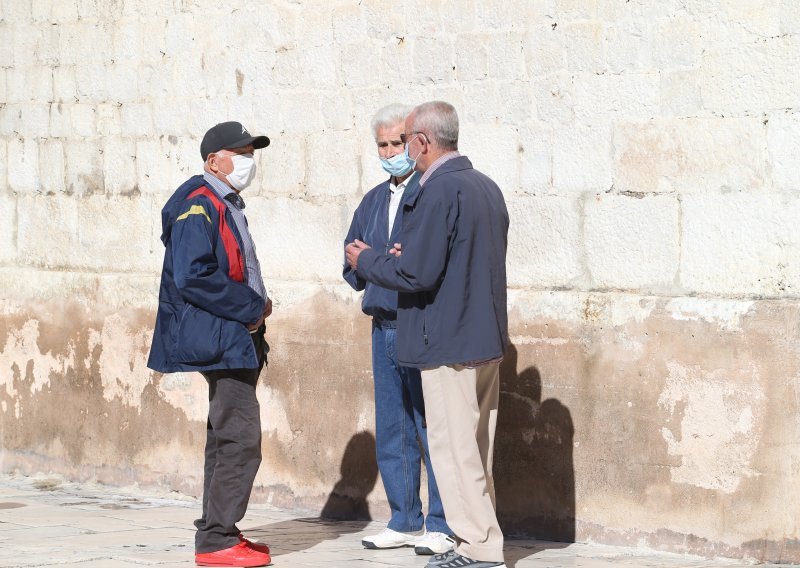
(649, 153)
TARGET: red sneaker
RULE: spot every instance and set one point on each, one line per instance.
(239, 555)
(254, 545)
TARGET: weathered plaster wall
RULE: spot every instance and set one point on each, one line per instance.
(650, 156)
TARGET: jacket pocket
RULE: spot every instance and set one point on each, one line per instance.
(198, 340)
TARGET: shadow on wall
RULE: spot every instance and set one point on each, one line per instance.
(359, 470)
(533, 470)
(346, 510)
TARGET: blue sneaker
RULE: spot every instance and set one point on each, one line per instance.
(455, 560)
(439, 558)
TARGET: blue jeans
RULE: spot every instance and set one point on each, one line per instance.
(399, 423)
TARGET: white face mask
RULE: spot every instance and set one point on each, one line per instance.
(244, 170)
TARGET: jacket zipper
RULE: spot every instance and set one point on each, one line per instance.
(424, 331)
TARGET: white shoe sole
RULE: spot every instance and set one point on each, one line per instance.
(425, 551)
(372, 546)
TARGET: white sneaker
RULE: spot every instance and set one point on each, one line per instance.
(392, 539)
(434, 543)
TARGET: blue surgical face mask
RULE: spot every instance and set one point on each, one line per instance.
(409, 159)
(398, 165)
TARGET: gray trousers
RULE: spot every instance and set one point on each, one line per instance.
(233, 452)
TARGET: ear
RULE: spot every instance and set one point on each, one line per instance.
(213, 163)
(426, 143)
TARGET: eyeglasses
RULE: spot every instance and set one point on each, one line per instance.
(405, 139)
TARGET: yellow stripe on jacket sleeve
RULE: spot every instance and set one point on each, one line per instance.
(194, 210)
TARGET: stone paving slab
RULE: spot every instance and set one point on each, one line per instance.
(46, 522)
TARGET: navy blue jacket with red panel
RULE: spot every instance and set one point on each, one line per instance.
(204, 306)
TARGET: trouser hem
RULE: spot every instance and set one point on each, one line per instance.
(482, 553)
(208, 548)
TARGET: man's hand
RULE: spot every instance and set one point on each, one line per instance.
(352, 251)
(396, 249)
(265, 315)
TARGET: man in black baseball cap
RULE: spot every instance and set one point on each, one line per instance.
(227, 135)
(212, 307)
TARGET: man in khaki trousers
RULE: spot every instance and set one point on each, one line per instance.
(449, 269)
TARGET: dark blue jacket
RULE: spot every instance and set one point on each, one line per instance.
(371, 225)
(452, 273)
(204, 306)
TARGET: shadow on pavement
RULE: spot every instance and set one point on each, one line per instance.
(346, 511)
(294, 535)
(516, 550)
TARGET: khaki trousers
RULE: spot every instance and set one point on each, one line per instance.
(461, 412)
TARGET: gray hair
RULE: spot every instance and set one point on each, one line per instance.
(389, 116)
(439, 121)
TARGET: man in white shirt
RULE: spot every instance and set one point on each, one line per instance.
(399, 407)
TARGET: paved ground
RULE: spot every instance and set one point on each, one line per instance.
(47, 522)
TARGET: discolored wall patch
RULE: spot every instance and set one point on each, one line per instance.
(716, 418)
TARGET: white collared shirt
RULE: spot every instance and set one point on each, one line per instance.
(395, 196)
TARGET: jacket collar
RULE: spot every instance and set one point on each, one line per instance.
(412, 188)
(454, 165)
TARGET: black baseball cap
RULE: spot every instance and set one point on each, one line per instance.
(229, 135)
